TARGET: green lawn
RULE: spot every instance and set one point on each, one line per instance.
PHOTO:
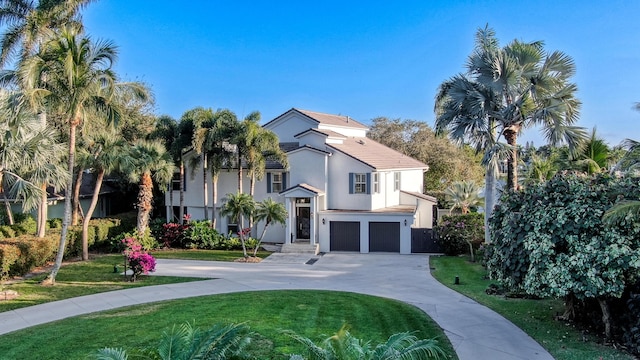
(535, 317)
(80, 278)
(314, 314)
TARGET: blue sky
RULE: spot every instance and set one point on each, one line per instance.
(362, 58)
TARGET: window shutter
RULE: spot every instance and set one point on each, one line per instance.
(284, 181)
(268, 182)
(352, 179)
(368, 183)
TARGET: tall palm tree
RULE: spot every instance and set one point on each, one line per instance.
(541, 169)
(148, 161)
(242, 134)
(167, 131)
(626, 208)
(103, 155)
(71, 75)
(271, 212)
(211, 140)
(464, 195)
(344, 346)
(28, 23)
(239, 206)
(188, 342)
(262, 145)
(591, 157)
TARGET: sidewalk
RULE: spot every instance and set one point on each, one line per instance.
(475, 331)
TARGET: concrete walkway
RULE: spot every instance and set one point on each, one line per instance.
(475, 331)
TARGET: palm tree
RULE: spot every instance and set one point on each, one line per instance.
(591, 157)
(345, 346)
(541, 169)
(262, 145)
(211, 140)
(28, 23)
(271, 212)
(626, 209)
(103, 155)
(464, 195)
(148, 161)
(187, 342)
(239, 206)
(167, 131)
(71, 75)
(242, 134)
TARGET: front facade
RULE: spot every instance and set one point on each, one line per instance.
(342, 191)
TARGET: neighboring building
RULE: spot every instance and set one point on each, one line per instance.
(343, 191)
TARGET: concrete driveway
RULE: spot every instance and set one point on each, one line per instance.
(475, 331)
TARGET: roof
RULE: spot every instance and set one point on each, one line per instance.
(325, 132)
(420, 196)
(396, 209)
(303, 186)
(86, 189)
(285, 147)
(322, 118)
(376, 155)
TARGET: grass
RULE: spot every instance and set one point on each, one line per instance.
(210, 255)
(535, 317)
(78, 279)
(314, 314)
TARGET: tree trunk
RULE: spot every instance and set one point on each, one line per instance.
(241, 234)
(511, 136)
(7, 207)
(51, 279)
(252, 181)
(181, 190)
(264, 231)
(170, 212)
(239, 172)
(87, 218)
(76, 197)
(42, 213)
(606, 316)
(489, 198)
(145, 197)
(205, 187)
(214, 191)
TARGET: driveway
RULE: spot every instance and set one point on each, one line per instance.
(475, 331)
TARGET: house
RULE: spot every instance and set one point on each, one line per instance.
(343, 191)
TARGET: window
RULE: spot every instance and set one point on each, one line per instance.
(376, 183)
(175, 182)
(360, 183)
(232, 226)
(396, 181)
(276, 182)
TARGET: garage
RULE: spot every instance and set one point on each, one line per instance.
(384, 237)
(344, 235)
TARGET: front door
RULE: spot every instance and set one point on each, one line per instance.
(303, 223)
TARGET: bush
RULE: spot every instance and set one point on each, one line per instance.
(7, 231)
(138, 259)
(9, 254)
(55, 223)
(25, 224)
(32, 252)
(456, 231)
(173, 235)
(200, 235)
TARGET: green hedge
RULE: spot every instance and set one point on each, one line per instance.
(455, 230)
(31, 252)
(9, 254)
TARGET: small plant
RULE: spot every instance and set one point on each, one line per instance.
(173, 235)
(139, 261)
(459, 234)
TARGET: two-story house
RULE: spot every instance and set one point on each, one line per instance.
(343, 191)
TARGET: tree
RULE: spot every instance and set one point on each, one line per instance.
(344, 346)
(188, 342)
(261, 145)
(29, 22)
(626, 210)
(241, 135)
(464, 195)
(239, 206)
(591, 157)
(72, 75)
(148, 161)
(271, 212)
(168, 132)
(103, 156)
(447, 163)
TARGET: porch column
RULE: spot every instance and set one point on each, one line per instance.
(290, 221)
(313, 221)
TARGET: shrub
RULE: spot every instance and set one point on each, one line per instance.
(25, 224)
(456, 231)
(200, 235)
(7, 231)
(140, 262)
(9, 254)
(174, 235)
(32, 251)
(55, 223)
(550, 240)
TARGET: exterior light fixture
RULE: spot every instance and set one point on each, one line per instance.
(405, 222)
(323, 221)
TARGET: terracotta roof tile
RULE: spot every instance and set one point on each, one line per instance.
(376, 155)
(330, 119)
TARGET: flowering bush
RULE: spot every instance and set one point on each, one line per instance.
(173, 235)
(455, 232)
(140, 262)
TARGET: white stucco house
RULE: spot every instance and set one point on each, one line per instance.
(342, 191)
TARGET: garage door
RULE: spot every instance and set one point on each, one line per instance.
(384, 236)
(344, 236)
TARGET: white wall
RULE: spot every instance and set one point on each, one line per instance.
(338, 197)
(289, 125)
(347, 131)
(412, 180)
(307, 166)
(313, 139)
(424, 211)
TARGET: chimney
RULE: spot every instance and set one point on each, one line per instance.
(347, 118)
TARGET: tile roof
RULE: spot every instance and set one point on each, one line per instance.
(420, 196)
(376, 155)
(330, 119)
(286, 147)
(305, 187)
(329, 133)
(408, 209)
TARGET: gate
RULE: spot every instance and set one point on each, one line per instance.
(424, 240)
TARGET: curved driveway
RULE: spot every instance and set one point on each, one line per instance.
(475, 331)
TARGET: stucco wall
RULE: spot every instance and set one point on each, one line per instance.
(338, 197)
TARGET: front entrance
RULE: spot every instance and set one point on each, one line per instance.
(303, 222)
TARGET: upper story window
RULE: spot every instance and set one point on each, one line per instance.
(376, 183)
(359, 183)
(276, 182)
(175, 182)
(396, 181)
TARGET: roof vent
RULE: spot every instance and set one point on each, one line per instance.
(347, 118)
(361, 142)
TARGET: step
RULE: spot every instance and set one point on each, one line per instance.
(300, 248)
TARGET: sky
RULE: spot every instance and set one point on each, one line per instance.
(363, 59)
